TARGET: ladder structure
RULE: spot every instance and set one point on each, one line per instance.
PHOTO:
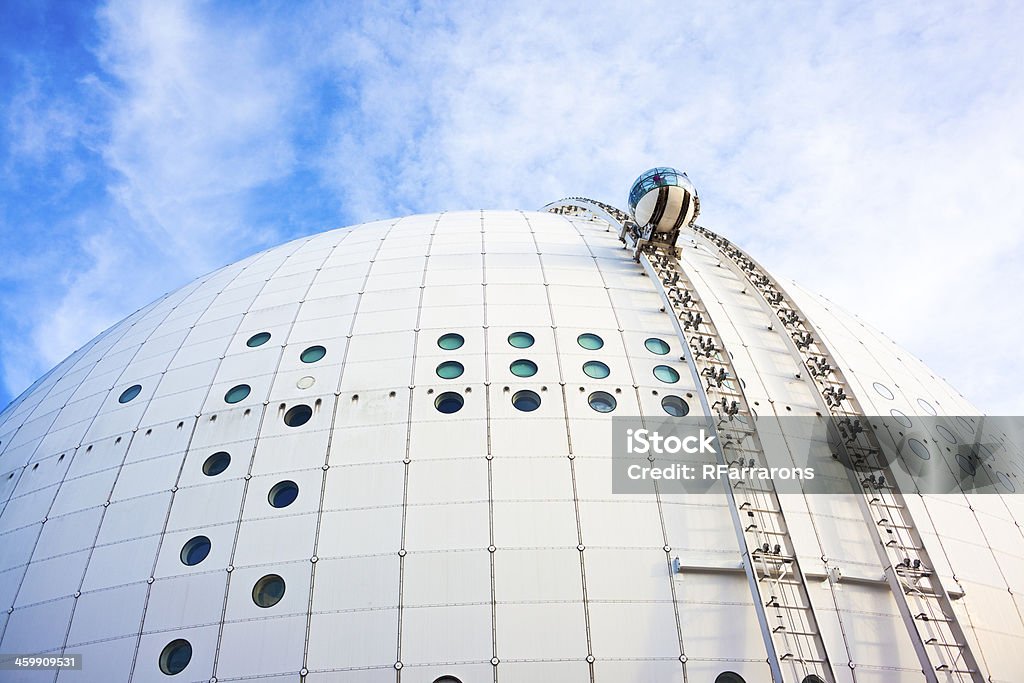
(792, 637)
(939, 640)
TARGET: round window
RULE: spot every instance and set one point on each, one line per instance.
(175, 657)
(1005, 481)
(596, 369)
(729, 677)
(901, 417)
(195, 550)
(919, 449)
(313, 354)
(666, 374)
(523, 368)
(258, 339)
(928, 407)
(268, 591)
(130, 393)
(658, 346)
(450, 369)
(675, 406)
(883, 391)
(237, 393)
(283, 494)
(216, 463)
(449, 402)
(520, 340)
(965, 464)
(298, 415)
(526, 400)
(602, 401)
(450, 341)
(590, 341)
(946, 433)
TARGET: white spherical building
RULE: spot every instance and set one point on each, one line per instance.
(381, 453)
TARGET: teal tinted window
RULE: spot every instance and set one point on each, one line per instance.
(520, 340)
(175, 657)
(590, 341)
(602, 402)
(313, 354)
(675, 406)
(449, 402)
(666, 374)
(526, 401)
(450, 369)
(258, 339)
(523, 368)
(130, 393)
(658, 346)
(268, 591)
(450, 341)
(195, 550)
(596, 369)
(237, 393)
(283, 494)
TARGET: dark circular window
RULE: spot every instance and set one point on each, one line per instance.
(900, 417)
(928, 407)
(520, 340)
(258, 339)
(237, 393)
(447, 679)
(729, 677)
(812, 678)
(130, 393)
(675, 406)
(602, 401)
(964, 424)
(965, 464)
(449, 402)
(919, 449)
(283, 494)
(658, 346)
(216, 463)
(450, 341)
(666, 374)
(195, 550)
(596, 369)
(450, 369)
(298, 415)
(946, 433)
(268, 591)
(523, 368)
(590, 341)
(1005, 481)
(313, 354)
(526, 400)
(883, 391)
(175, 657)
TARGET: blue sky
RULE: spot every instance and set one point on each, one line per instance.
(873, 153)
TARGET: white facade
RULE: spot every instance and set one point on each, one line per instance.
(483, 544)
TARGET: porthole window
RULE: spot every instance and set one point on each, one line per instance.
(919, 449)
(447, 679)
(298, 415)
(901, 417)
(883, 391)
(675, 406)
(450, 369)
(216, 463)
(666, 374)
(130, 393)
(175, 657)
(812, 678)
(1005, 481)
(590, 341)
(658, 346)
(237, 393)
(947, 434)
(451, 341)
(449, 402)
(928, 407)
(596, 369)
(729, 677)
(283, 494)
(313, 354)
(966, 465)
(520, 340)
(526, 400)
(195, 550)
(602, 402)
(258, 339)
(523, 368)
(268, 591)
